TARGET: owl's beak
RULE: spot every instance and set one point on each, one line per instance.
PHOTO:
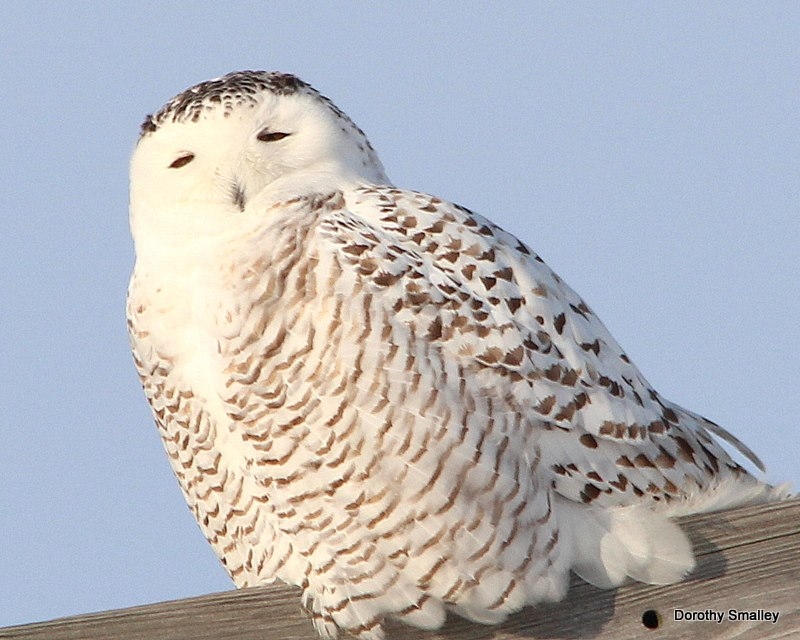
(239, 198)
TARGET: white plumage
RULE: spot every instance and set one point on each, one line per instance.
(381, 396)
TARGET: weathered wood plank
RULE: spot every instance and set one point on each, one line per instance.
(748, 560)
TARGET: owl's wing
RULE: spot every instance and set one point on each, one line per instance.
(508, 325)
(535, 386)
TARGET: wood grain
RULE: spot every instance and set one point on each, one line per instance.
(748, 560)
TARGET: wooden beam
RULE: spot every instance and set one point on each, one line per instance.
(748, 564)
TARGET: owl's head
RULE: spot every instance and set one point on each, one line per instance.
(221, 143)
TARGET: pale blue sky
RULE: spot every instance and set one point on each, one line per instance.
(649, 152)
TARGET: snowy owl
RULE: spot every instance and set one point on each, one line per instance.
(380, 396)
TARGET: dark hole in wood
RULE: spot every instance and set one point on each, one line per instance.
(651, 619)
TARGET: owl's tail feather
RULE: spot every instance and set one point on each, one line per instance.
(610, 545)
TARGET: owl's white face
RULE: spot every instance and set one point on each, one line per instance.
(206, 157)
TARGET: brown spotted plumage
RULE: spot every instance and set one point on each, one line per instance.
(380, 396)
